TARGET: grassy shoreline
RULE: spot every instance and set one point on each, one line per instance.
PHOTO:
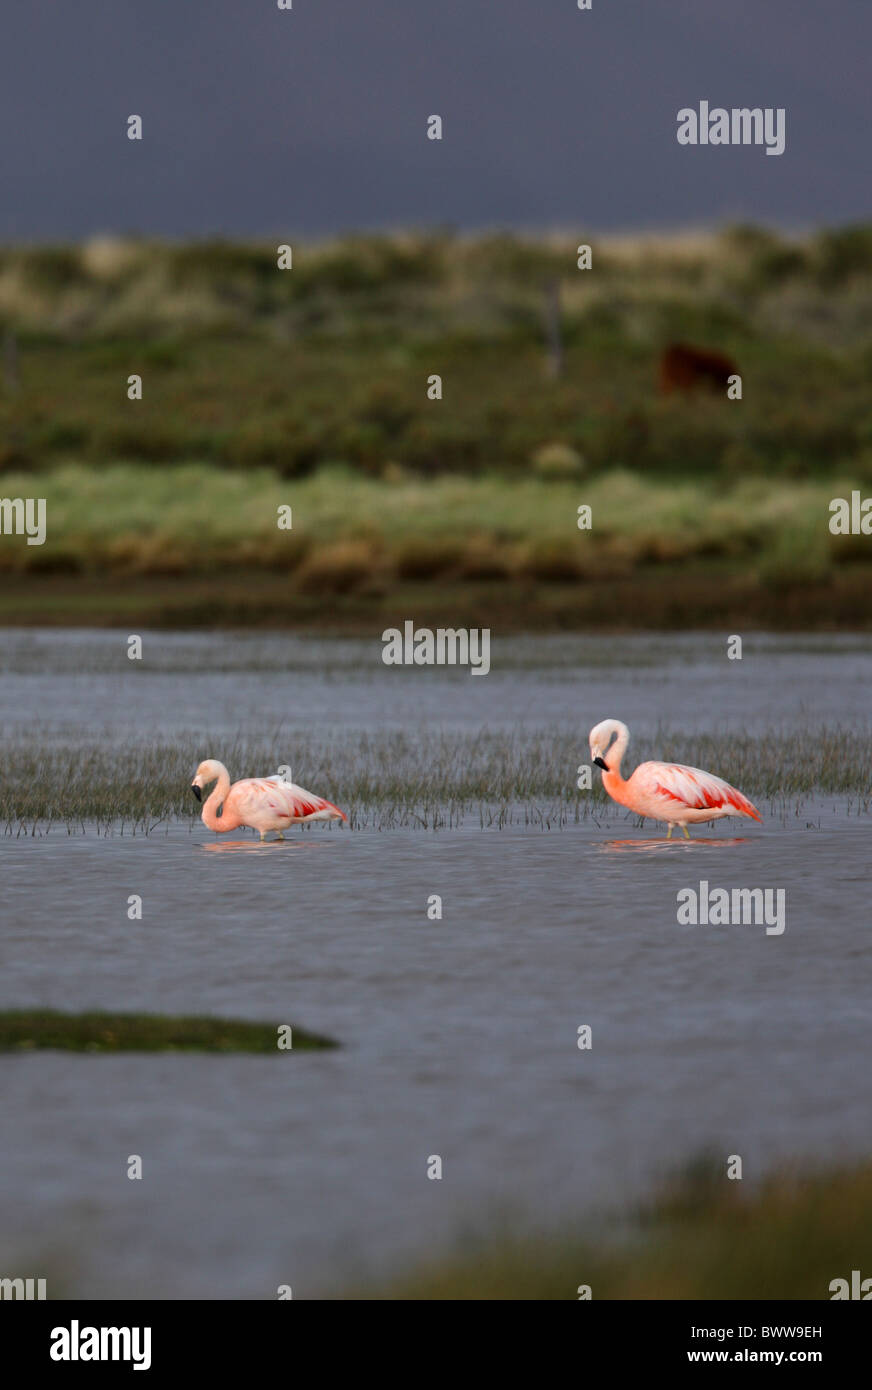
(192, 546)
(700, 1237)
(674, 598)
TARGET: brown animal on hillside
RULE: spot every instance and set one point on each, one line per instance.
(683, 368)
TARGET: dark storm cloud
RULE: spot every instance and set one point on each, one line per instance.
(261, 121)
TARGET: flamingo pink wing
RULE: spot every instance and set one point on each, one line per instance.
(307, 803)
(289, 800)
(695, 789)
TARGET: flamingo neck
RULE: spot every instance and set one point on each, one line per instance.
(614, 785)
(612, 779)
(213, 804)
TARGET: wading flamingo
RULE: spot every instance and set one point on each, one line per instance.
(665, 791)
(264, 803)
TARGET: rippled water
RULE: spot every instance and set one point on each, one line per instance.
(223, 682)
(458, 1035)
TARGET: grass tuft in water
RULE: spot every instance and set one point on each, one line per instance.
(28, 1030)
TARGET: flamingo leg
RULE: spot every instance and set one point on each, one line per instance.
(686, 834)
(669, 832)
(262, 836)
(279, 835)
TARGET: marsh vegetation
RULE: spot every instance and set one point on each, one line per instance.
(429, 779)
(699, 1237)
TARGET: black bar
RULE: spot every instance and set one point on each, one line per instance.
(221, 1337)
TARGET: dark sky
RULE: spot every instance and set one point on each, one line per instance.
(264, 122)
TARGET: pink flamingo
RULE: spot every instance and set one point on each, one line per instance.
(665, 791)
(264, 803)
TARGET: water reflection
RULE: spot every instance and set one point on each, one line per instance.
(664, 845)
(257, 846)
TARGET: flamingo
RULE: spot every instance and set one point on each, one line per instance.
(264, 803)
(665, 791)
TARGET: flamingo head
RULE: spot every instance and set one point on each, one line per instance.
(601, 736)
(206, 773)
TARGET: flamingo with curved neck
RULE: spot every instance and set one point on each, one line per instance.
(667, 792)
(263, 803)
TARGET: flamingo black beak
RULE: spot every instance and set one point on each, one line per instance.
(601, 762)
(196, 790)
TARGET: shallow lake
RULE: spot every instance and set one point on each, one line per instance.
(459, 1035)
